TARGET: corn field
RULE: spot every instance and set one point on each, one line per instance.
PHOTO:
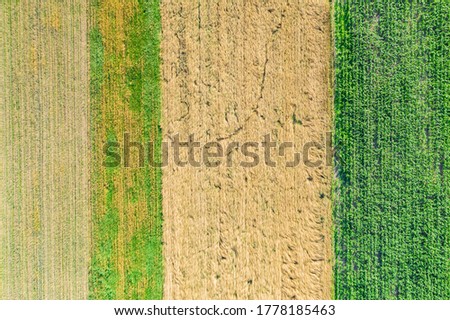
(392, 135)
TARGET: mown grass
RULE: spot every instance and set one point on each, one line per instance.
(126, 259)
(392, 135)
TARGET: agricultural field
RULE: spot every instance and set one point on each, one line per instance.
(233, 72)
(44, 172)
(93, 93)
(74, 75)
(392, 135)
(126, 261)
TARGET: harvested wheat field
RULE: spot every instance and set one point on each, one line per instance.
(44, 208)
(234, 71)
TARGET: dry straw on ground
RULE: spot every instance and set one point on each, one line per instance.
(234, 71)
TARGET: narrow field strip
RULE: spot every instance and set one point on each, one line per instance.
(392, 141)
(126, 252)
(44, 175)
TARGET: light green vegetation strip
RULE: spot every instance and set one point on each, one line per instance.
(392, 122)
(126, 253)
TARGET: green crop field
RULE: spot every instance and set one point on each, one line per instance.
(392, 145)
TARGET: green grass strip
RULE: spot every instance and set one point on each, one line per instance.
(126, 250)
